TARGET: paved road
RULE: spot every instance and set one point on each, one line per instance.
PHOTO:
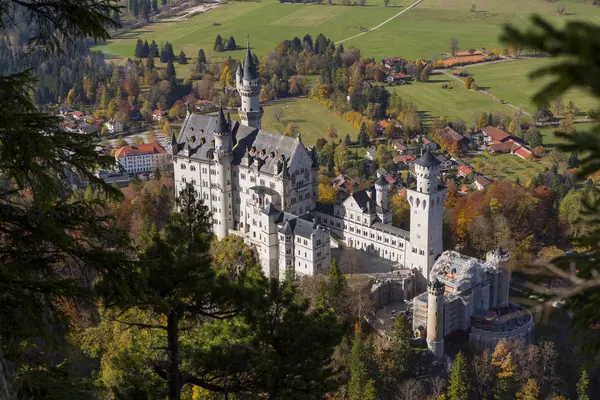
(381, 24)
(484, 92)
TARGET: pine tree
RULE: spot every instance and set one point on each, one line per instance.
(369, 393)
(218, 43)
(182, 59)
(363, 136)
(231, 45)
(582, 386)
(201, 56)
(458, 387)
(330, 163)
(139, 48)
(401, 349)
(573, 161)
(145, 50)
(347, 140)
(359, 375)
(170, 74)
(154, 53)
(155, 5)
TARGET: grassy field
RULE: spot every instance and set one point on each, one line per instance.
(422, 32)
(459, 102)
(311, 118)
(510, 82)
(505, 167)
(551, 140)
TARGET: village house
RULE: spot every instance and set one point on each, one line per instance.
(464, 189)
(404, 159)
(454, 138)
(396, 77)
(158, 115)
(446, 163)
(464, 170)
(399, 147)
(203, 105)
(481, 182)
(64, 110)
(429, 144)
(494, 135)
(340, 181)
(141, 158)
(392, 62)
(114, 126)
(77, 114)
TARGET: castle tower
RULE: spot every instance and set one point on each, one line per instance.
(222, 220)
(382, 190)
(500, 286)
(435, 318)
(426, 217)
(248, 86)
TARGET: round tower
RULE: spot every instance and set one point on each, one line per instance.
(435, 317)
(222, 218)
(382, 190)
(426, 218)
(427, 170)
(248, 86)
(499, 258)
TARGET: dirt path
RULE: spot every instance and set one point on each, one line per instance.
(456, 78)
(381, 24)
(190, 12)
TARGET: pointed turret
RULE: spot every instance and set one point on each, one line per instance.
(174, 145)
(222, 125)
(249, 67)
(239, 69)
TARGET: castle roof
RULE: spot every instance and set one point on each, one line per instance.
(269, 153)
(249, 67)
(427, 160)
(222, 125)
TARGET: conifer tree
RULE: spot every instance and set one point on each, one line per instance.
(145, 49)
(458, 386)
(218, 43)
(201, 56)
(363, 136)
(182, 59)
(154, 53)
(170, 73)
(231, 45)
(401, 349)
(582, 386)
(139, 48)
(359, 373)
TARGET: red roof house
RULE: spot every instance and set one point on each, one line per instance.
(523, 152)
(150, 148)
(464, 170)
(495, 135)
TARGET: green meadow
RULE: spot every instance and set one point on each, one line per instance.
(422, 32)
(434, 101)
(510, 81)
(310, 117)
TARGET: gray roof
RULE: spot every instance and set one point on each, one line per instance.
(299, 226)
(263, 150)
(392, 230)
(249, 67)
(222, 124)
(427, 160)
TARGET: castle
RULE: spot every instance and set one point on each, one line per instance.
(263, 187)
(466, 294)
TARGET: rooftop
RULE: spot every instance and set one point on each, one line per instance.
(151, 148)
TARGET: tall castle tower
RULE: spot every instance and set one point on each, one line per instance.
(248, 86)
(435, 317)
(223, 157)
(426, 217)
(500, 285)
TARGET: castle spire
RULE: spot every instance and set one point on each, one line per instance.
(222, 125)
(249, 67)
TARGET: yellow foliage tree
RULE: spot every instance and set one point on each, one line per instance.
(400, 211)
(291, 129)
(327, 193)
(530, 391)
(226, 76)
(70, 97)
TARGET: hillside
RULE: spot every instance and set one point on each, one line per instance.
(422, 32)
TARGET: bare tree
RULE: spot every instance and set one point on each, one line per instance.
(411, 389)
(483, 374)
(277, 113)
(438, 385)
(453, 46)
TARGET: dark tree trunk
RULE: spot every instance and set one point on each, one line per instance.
(173, 376)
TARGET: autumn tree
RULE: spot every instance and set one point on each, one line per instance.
(331, 132)
(469, 82)
(529, 391)
(400, 211)
(291, 129)
(582, 386)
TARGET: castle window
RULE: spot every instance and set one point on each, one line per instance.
(243, 176)
(272, 185)
(183, 166)
(252, 179)
(262, 182)
(192, 168)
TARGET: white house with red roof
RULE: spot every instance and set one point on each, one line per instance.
(464, 170)
(494, 135)
(141, 157)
